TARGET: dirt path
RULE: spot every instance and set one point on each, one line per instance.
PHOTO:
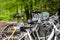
(2, 25)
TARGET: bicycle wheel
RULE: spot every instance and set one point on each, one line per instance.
(43, 32)
(26, 37)
(58, 37)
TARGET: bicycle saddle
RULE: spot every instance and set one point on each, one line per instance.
(36, 11)
(32, 21)
(19, 16)
(26, 27)
(23, 28)
(55, 22)
(8, 25)
(45, 25)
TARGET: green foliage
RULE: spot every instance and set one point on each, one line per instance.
(9, 7)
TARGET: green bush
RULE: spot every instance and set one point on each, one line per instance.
(10, 7)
